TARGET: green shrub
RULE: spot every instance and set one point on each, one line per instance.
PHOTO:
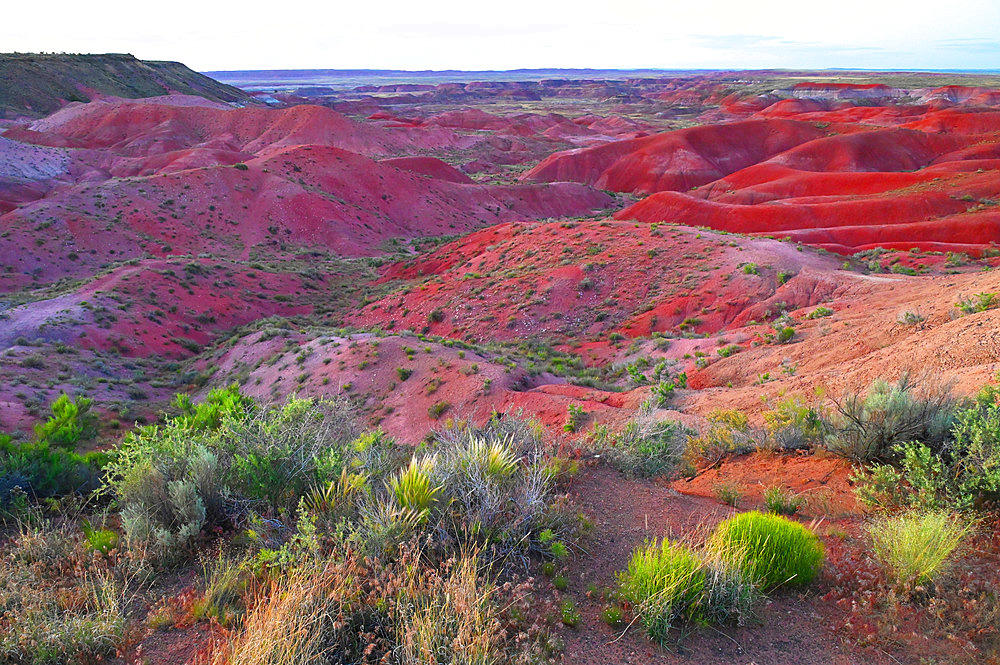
(964, 474)
(436, 410)
(41, 471)
(497, 488)
(728, 432)
(69, 423)
(99, 540)
(211, 465)
(781, 501)
(980, 302)
(729, 494)
(575, 416)
(819, 312)
(866, 428)
(771, 549)
(793, 424)
(647, 447)
(916, 548)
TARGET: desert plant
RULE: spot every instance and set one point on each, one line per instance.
(663, 581)
(648, 447)
(728, 432)
(575, 416)
(979, 302)
(916, 548)
(865, 428)
(772, 550)
(728, 494)
(781, 501)
(413, 488)
(449, 618)
(70, 422)
(963, 474)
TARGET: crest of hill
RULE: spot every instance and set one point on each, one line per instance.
(35, 85)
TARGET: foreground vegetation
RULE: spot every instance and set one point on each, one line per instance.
(319, 540)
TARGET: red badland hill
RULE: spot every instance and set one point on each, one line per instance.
(160, 179)
(833, 177)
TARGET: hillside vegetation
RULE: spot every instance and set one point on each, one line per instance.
(38, 84)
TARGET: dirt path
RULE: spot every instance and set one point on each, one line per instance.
(625, 513)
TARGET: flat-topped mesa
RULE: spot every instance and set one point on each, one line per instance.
(36, 84)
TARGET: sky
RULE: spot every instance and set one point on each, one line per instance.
(446, 34)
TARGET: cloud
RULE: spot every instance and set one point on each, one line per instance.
(775, 43)
(970, 45)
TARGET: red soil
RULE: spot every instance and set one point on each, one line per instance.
(589, 279)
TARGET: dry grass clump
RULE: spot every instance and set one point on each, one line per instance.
(917, 548)
(60, 600)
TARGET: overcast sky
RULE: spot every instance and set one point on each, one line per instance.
(509, 34)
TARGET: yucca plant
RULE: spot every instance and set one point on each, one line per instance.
(916, 548)
(338, 497)
(495, 459)
(413, 487)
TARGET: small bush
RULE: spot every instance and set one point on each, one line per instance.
(647, 447)
(436, 410)
(781, 501)
(568, 614)
(728, 432)
(916, 548)
(979, 302)
(729, 494)
(771, 549)
(819, 312)
(866, 428)
(71, 422)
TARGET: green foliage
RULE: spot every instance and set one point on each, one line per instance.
(69, 423)
(784, 334)
(612, 615)
(648, 447)
(413, 489)
(916, 548)
(568, 614)
(728, 432)
(772, 550)
(793, 424)
(664, 581)
(227, 582)
(781, 501)
(866, 428)
(404, 373)
(575, 416)
(964, 474)
(729, 350)
(436, 410)
(207, 415)
(979, 302)
(751, 269)
(99, 540)
(211, 464)
(819, 313)
(41, 470)
(728, 493)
